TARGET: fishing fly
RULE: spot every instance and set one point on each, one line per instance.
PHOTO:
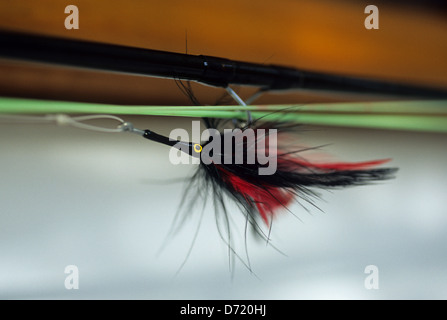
(236, 165)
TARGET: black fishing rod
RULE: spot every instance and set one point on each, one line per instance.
(214, 71)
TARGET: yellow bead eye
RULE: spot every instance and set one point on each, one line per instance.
(197, 148)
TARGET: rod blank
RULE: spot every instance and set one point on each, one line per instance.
(208, 70)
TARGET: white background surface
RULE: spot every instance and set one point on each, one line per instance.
(71, 197)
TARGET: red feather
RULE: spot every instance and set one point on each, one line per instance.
(267, 199)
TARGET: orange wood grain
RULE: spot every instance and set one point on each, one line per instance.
(410, 46)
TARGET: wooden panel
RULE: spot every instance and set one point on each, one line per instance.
(409, 46)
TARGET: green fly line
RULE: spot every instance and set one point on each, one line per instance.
(424, 115)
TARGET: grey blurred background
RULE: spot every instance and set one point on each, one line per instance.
(105, 203)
